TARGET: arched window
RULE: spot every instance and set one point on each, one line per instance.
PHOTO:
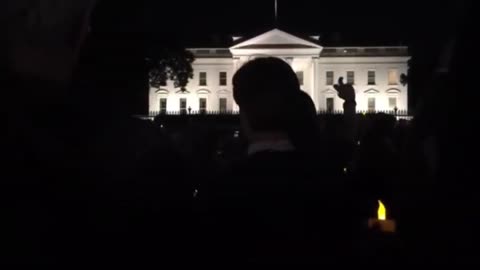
(162, 95)
(393, 96)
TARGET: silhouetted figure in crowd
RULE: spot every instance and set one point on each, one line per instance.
(302, 125)
(84, 182)
(444, 139)
(273, 206)
(347, 93)
(40, 188)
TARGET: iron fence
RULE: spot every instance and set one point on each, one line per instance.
(403, 113)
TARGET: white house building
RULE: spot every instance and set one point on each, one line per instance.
(374, 72)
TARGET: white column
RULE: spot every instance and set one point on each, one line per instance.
(289, 60)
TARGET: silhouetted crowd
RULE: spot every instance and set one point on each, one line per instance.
(83, 182)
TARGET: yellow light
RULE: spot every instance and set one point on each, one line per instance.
(382, 212)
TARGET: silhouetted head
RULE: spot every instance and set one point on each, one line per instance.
(303, 128)
(262, 89)
(263, 76)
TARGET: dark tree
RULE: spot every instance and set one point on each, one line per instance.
(404, 79)
(170, 64)
(132, 22)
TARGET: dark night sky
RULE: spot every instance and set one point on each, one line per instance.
(360, 22)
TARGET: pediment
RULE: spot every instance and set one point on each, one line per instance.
(330, 91)
(276, 39)
(393, 91)
(223, 92)
(371, 91)
(162, 91)
(203, 91)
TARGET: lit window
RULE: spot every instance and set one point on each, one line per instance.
(163, 105)
(222, 104)
(329, 78)
(350, 77)
(330, 105)
(392, 77)
(203, 79)
(223, 78)
(371, 104)
(392, 103)
(300, 77)
(203, 105)
(371, 77)
(183, 105)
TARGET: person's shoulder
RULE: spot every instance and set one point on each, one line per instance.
(273, 156)
(285, 164)
(272, 159)
(272, 164)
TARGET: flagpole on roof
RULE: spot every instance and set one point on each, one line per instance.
(276, 13)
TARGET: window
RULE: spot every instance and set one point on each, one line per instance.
(183, 105)
(163, 105)
(350, 77)
(300, 77)
(202, 79)
(222, 104)
(392, 103)
(371, 77)
(203, 105)
(329, 78)
(390, 50)
(163, 83)
(330, 105)
(223, 78)
(372, 50)
(329, 50)
(392, 77)
(222, 51)
(371, 104)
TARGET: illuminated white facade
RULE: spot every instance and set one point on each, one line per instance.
(374, 71)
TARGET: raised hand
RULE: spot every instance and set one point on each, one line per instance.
(345, 91)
